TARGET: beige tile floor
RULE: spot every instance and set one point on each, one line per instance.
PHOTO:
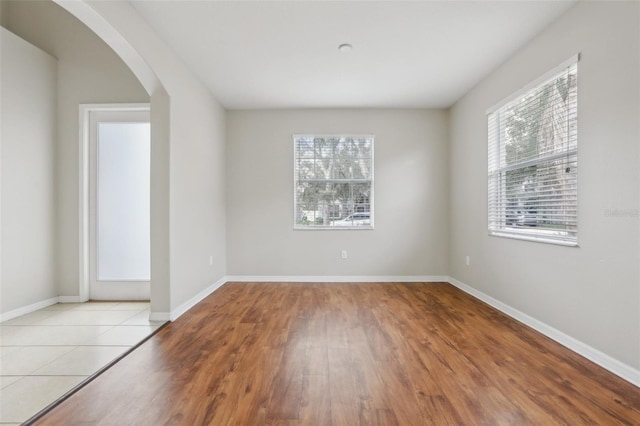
(46, 353)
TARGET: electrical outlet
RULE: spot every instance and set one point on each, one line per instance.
(343, 254)
(467, 260)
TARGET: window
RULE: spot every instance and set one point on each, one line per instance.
(333, 182)
(533, 160)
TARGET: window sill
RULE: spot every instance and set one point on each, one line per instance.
(332, 228)
(534, 238)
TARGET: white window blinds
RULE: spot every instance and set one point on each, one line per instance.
(533, 160)
(333, 182)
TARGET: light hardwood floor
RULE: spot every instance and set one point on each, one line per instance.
(349, 354)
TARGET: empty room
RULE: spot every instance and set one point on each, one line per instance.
(223, 212)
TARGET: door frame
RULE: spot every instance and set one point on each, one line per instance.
(83, 186)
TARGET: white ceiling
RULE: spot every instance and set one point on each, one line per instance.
(284, 54)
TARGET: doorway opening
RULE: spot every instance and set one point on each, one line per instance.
(115, 148)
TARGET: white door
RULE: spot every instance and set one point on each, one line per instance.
(119, 205)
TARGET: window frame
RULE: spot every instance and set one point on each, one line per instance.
(497, 223)
(297, 226)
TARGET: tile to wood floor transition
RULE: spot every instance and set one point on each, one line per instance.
(46, 353)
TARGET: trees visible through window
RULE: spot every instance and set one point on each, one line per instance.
(533, 161)
(333, 182)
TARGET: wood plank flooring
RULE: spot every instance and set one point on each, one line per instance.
(349, 354)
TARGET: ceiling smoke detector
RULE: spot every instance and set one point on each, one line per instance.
(345, 47)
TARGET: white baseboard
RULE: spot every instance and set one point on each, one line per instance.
(195, 299)
(70, 299)
(340, 279)
(618, 368)
(15, 313)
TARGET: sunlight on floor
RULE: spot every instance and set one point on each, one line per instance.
(46, 353)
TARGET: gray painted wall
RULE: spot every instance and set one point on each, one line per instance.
(197, 175)
(592, 292)
(28, 135)
(411, 195)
